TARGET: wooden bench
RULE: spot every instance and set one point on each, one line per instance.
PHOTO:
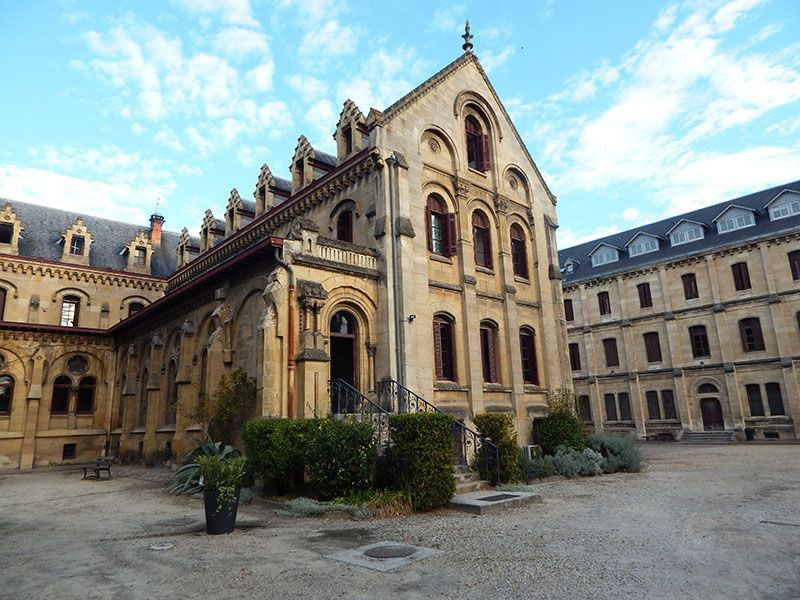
(102, 464)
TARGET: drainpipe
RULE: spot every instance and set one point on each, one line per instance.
(290, 326)
(391, 162)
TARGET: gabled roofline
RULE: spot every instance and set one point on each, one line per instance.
(730, 206)
(570, 260)
(604, 244)
(779, 194)
(638, 233)
(679, 221)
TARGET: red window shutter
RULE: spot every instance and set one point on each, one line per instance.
(488, 248)
(485, 159)
(428, 228)
(569, 314)
(493, 353)
(437, 349)
(758, 335)
(451, 242)
(794, 264)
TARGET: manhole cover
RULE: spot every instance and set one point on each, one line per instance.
(498, 497)
(162, 546)
(390, 551)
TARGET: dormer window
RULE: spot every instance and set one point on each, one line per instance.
(642, 244)
(604, 254)
(733, 218)
(347, 139)
(140, 256)
(687, 234)
(569, 268)
(785, 209)
(77, 245)
(6, 233)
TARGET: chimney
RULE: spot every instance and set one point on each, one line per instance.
(156, 221)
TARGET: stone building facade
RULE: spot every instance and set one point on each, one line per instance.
(691, 323)
(423, 252)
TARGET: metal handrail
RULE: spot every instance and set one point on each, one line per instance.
(347, 400)
(467, 443)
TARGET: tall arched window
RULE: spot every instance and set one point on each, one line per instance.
(171, 404)
(141, 417)
(478, 150)
(134, 307)
(441, 227)
(443, 348)
(3, 294)
(527, 346)
(86, 388)
(70, 310)
(519, 256)
(482, 239)
(6, 394)
(344, 226)
(59, 402)
(489, 351)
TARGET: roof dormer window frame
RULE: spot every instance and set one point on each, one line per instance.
(688, 235)
(650, 244)
(609, 255)
(740, 221)
(780, 208)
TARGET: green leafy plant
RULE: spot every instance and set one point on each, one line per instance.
(500, 429)
(422, 458)
(619, 452)
(308, 507)
(561, 426)
(186, 479)
(380, 503)
(571, 463)
(233, 399)
(536, 468)
(223, 475)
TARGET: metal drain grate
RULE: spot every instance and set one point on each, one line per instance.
(390, 551)
(498, 497)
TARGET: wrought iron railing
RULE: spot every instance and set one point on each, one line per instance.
(469, 447)
(347, 401)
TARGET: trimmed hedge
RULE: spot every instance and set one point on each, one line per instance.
(559, 429)
(499, 428)
(337, 456)
(422, 458)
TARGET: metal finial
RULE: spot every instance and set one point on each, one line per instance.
(467, 45)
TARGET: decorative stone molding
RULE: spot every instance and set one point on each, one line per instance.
(140, 254)
(77, 241)
(352, 133)
(10, 229)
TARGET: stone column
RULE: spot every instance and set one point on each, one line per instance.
(28, 450)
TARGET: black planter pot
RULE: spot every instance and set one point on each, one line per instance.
(224, 519)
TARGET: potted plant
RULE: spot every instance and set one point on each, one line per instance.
(222, 484)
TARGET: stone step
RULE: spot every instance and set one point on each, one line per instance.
(483, 502)
(464, 477)
(461, 469)
(708, 437)
(466, 487)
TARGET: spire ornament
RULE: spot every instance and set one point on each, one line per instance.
(467, 45)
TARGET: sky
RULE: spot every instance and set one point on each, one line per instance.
(633, 110)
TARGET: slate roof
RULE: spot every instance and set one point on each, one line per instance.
(283, 184)
(44, 227)
(249, 205)
(325, 158)
(712, 241)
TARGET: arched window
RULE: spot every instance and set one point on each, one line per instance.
(518, 255)
(85, 404)
(527, 346)
(59, 403)
(441, 227)
(489, 351)
(6, 394)
(344, 226)
(3, 293)
(482, 239)
(141, 417)
(707, 388)
(171, 405)
(134, 307)
(478, 150)
(443, 348)
(70, 309)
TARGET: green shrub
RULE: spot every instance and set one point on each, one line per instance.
(271, 450)
(224, 475)
(499, 428)
(561, 426)
(232, 401)
(340, 456)
(536, 468)
(571, 463)
(306, 507)
(422, 458)
(619, 452)
(186, 479)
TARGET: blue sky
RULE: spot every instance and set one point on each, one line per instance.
(633, 110)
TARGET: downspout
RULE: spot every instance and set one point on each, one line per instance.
(290, 326)
(391, 161)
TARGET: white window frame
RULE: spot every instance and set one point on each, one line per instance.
(740, 221)
(784, 209)
(690, 234)
(604, 257)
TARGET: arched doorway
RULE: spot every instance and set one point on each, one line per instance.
(711, 409)
(343, 334)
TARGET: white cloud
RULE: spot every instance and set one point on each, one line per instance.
(566, 237)
(310, 88)
(322, 117)
(238, 42)
(261, 76)
(447, 19)
(235, 12)
(491, 60)
(169, 139)
(630, 214)
(330, 39)
(252, 156)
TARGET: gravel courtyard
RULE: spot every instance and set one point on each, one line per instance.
(693, 525)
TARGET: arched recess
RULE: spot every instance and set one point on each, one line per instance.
(96, 365)
(5, 283)
(438, 148)
(129, 299)
(70, 291)
(516, 185)
(468, 97)
(247, 343)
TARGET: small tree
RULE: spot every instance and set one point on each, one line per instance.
(561, 426)
(224, 413)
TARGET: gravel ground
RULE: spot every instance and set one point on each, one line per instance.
(691, 526)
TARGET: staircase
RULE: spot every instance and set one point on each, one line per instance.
(708, 437)
(468, 480)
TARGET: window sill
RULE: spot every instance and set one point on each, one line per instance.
(477, 172)
(495, 387)
(520, 279)
(440, 258)
(449, 386)
(486, 270)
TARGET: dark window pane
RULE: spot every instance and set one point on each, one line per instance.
(752, 337)
(527, 346)
(624, 407)
(652, 347)
(6, 233)
(585, 408)
(569, 315)
(59, 402)
(775, 399)
(699, 340)
(575, 357)
(754, 400)
(6, 394)
(645, 299)
(741, 276)
(610, 349)
(344, 226)
(85, 402)
(668, 402)
(604, 303)
(653, 408)
(794, 264)
(488, 349)
(611, 407)
(690, 286)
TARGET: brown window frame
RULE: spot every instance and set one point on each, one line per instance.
(698, 339)
(652, 347)
(755, 402)
(488, 340)
(624, 404)
(482, 239)
(645, 297)
(85, 402)
(794, 264)
(611, 352)
(519, 254)
(441, 226)
(610, 402)
(6, 394)
(569, 312)
(77, 245)
(444, 347)
(775, 399)
(530, 365)
(751, 334)
(575, 356)
(653, 406)
(604, 303)
(344, 226)
(669, 408)
(478, 145)
(135, 307)
(3, 296)
(584, 408)
(690, 289)
(741, 276)
(62, 391)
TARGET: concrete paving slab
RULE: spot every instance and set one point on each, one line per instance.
(396, 555)
(487, 501)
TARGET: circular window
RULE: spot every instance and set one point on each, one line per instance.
(77, 364)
